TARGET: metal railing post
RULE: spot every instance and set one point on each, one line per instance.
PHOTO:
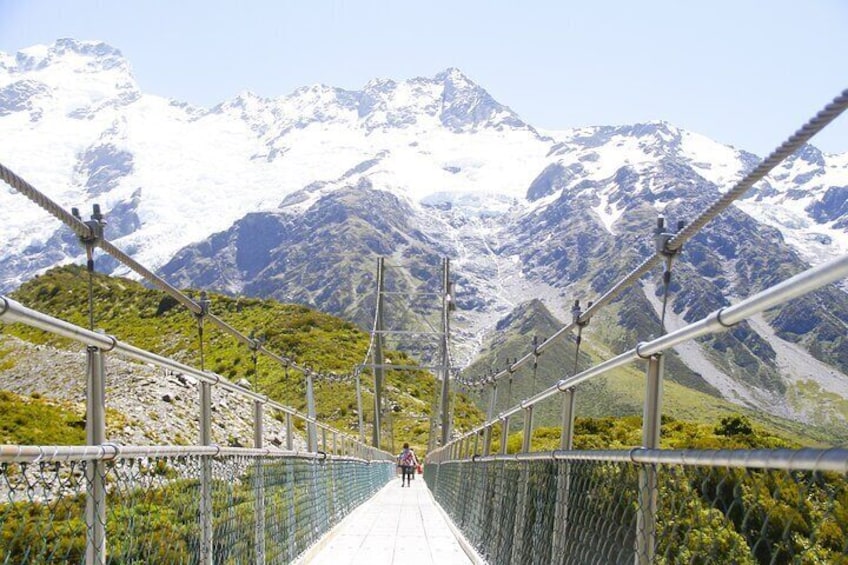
(518, 545)
(487, 434)
(476, 443)
(324, 440)
(646, 516)
(289, 430)
(95, 470)
(528, 429)
(206, 556)
(312, 432)
(563, 478)
(335, 443)
(359, 407)
(259, 502)
(504, 434)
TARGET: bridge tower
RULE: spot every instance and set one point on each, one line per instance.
(413, 317)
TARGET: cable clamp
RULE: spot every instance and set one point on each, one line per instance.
(95, 225)
(662, 237)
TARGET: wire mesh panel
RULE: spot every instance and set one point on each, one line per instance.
(709, 515)
(589, 511)
(153, 513)
(42, 512)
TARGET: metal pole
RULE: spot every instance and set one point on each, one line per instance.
(566, 440)
(206, 556)
(312, 432)
(646, 526)
(335, 443)
(528, 429)
(563, 478)
(487, 437)
(359, 406)
(377, 359)
(476, 443)
(446, 298)
(324, 440)
(95, 470)
(259, 502)
(518, 539)
(504, 434)
(289, 436)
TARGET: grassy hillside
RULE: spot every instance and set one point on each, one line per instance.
(152, 320)
(36, 421)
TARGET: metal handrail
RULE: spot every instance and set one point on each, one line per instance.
(808, 459)
(111, 451)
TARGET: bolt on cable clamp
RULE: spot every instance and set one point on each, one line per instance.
(662, 237)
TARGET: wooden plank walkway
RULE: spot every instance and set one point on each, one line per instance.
(399, 525)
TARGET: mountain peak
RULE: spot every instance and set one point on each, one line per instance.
(455, 76)
(84, 56)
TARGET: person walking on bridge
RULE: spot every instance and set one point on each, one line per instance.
(408, 464)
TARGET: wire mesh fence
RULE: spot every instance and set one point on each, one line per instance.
(565, 511)
(276, 505)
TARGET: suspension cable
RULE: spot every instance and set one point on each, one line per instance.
(666, 285)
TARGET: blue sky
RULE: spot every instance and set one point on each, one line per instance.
(744, 72)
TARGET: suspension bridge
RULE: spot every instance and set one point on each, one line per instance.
(338, 500)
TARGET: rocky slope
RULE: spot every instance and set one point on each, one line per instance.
(144, 405)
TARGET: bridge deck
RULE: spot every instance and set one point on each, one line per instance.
(398, 525)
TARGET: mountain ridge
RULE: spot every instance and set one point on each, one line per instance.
(310, 188)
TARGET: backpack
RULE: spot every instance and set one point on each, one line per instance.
(407, 459)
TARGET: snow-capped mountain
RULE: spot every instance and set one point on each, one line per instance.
(295, 197)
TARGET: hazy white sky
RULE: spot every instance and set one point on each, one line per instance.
(744, 72)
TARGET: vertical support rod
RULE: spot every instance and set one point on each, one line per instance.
(563, 493)
(378, 366)
(259, 501)
(646, 525)
(446, 300)
(566, 440)
(528, 429)
(519, 543)
(206, 556)
(324, 440)
(505, 429)
(289, 430)
(487, 437)
(95, 434)
(258, 424)
(359, 406)
(336, 443)
(476, 443)
(504, 434)
(312, 431)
